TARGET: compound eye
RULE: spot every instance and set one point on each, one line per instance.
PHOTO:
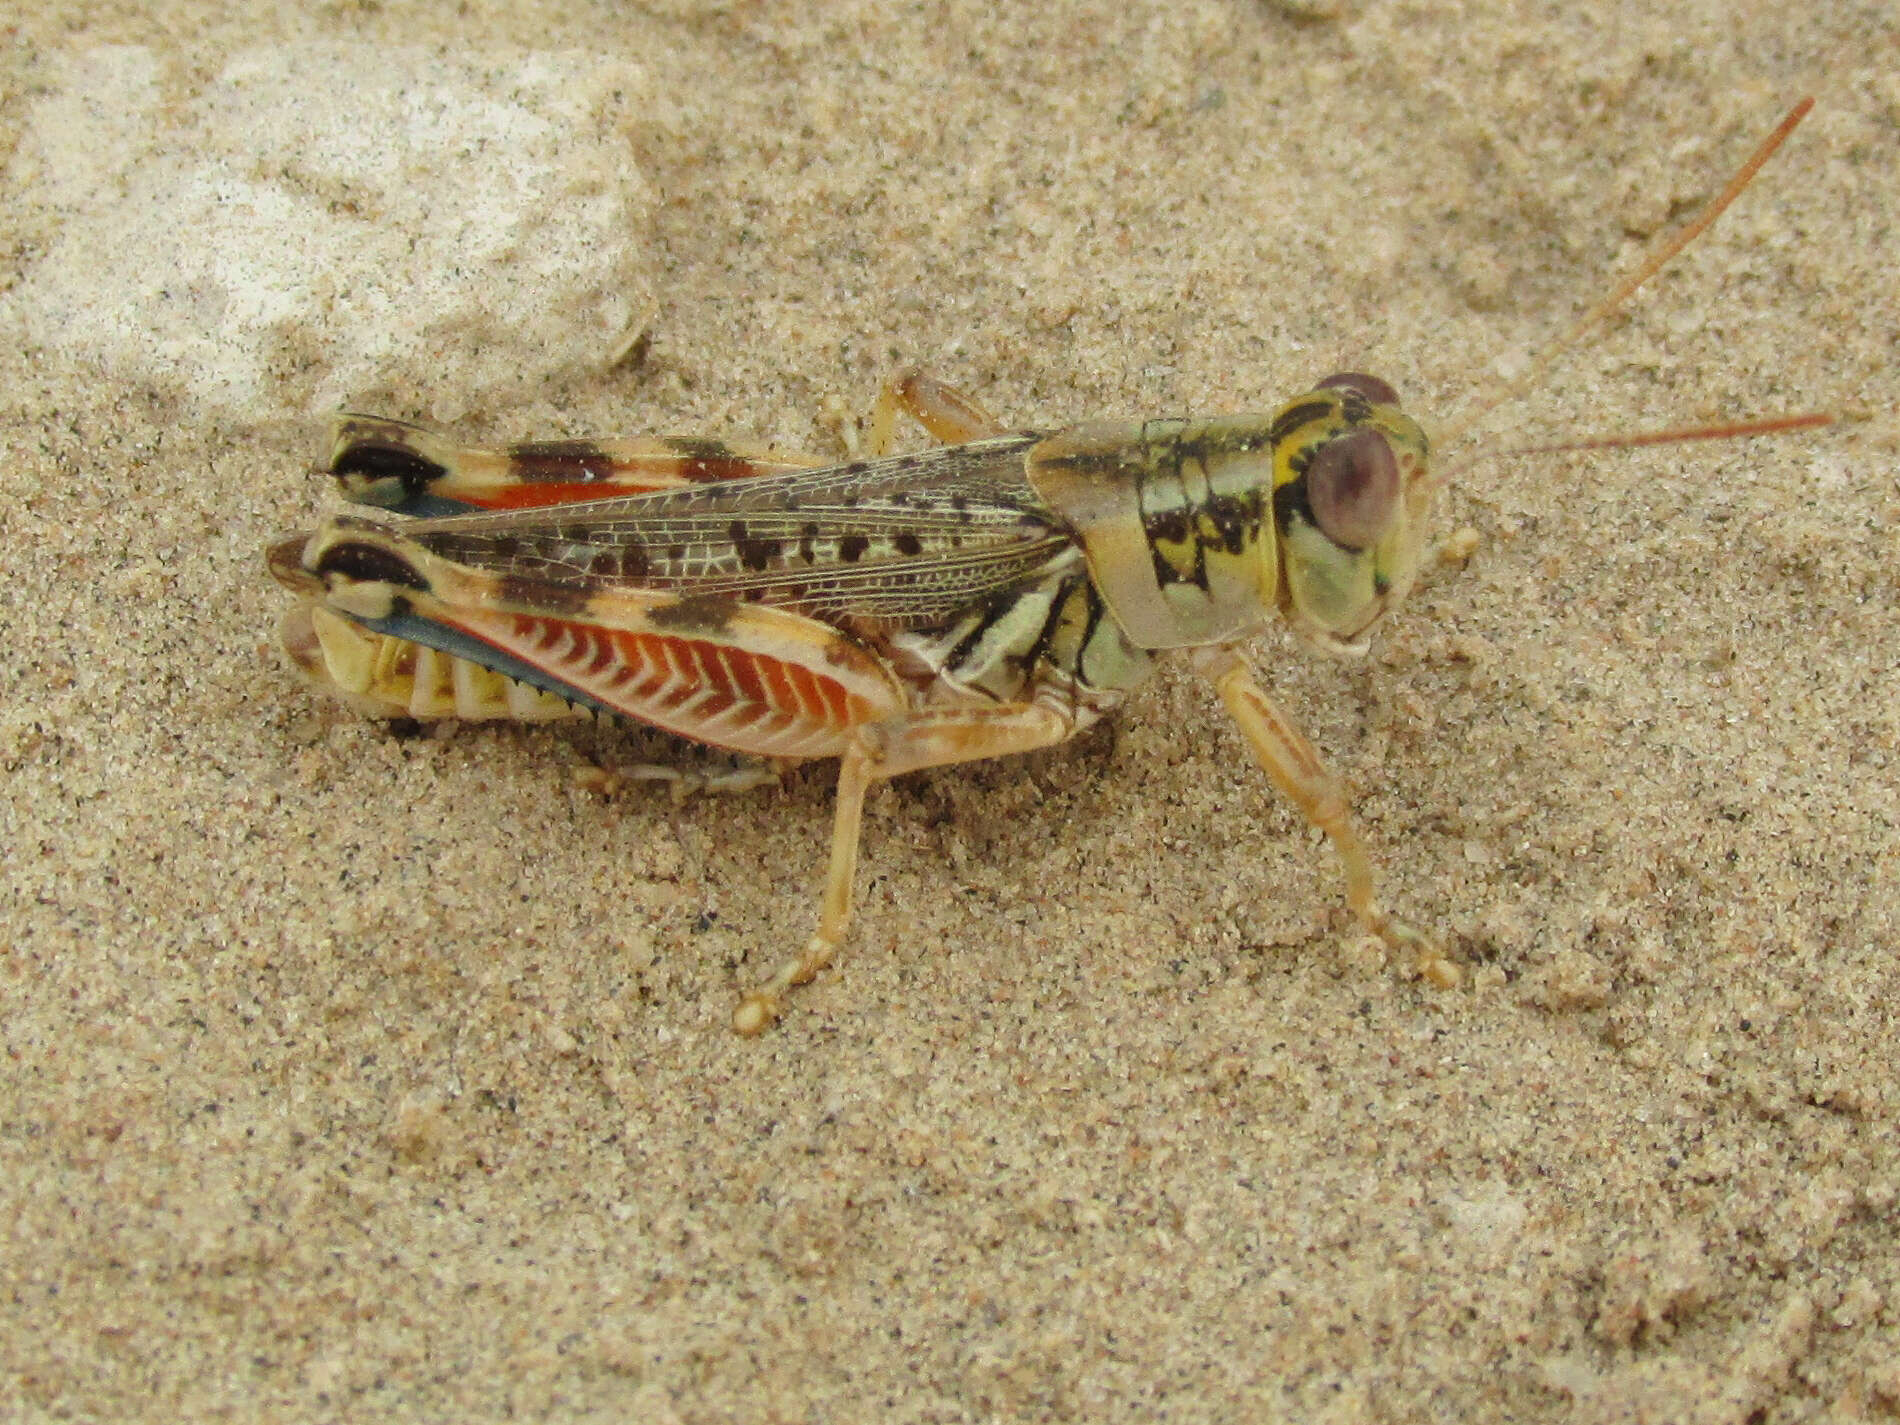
(1352, 487)
(1380, 393)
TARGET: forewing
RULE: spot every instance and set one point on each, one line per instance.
(905, 541)
(417, 471)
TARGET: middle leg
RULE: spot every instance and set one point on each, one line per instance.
(879, 751)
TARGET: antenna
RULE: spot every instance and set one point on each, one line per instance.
(1678, 435)
(1624, 290)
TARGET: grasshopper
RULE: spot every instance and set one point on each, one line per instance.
(990, 596)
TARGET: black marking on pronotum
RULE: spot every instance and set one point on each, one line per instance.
(708, 614)
(1168, 526)
(1165, 572)
(1231, 517)
(1199, 576)
(543, 596)
(1205, 447)
(369, 564)
(1175, 526)
(1293, 417)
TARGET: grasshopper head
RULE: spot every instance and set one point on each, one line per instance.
(1350, 505)
(1197, 531)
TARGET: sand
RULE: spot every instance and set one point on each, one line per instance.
(355, 1075)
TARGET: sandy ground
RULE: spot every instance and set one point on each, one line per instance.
(358, 1076)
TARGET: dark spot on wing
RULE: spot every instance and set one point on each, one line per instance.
(757, 554)
(754, 554)
(625, 560)
(559, 462)
(698, 613)
(490, 549)
(544, 597)
(709, 460)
